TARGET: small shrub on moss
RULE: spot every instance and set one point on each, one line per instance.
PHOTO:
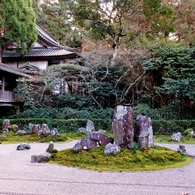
(187, 131)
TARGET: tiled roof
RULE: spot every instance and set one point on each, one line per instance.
(42, 34)
(54, 49)
(13, 70)
(41, 53)
(50, 40)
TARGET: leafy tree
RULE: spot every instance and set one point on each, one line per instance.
(124, 82)
(183, 19)
(173, 72)
(35, 5)
(105, 19)
(159, 17)
(55, 16)
(17, 24)
(121, 21)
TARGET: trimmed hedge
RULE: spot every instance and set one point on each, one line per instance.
(168, 127)
(160, 127)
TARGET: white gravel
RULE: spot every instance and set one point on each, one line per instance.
(18, 176)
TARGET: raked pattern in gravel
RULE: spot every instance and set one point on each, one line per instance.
(18, 176)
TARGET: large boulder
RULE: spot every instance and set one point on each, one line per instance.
(23, 146)
(41, 158)
(13, 127)
(92, 140)
(54, 132)
(45, 130)
(36, 128)
(176, 137)
(122, 126)
(143, 131)
(112, 148)
(21, 132)
(39, 129)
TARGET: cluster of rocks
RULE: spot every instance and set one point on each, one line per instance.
(42, 130)
(89, 127)
(124, 133)
(176, 137)
(7, 126)
(33, 128)
(92, 140)
(41, 158)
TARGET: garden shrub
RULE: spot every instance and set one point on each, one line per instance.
(65, 113)
(160, 127)
(63, 126)
(168, 127)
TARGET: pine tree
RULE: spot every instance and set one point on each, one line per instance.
(17, 24)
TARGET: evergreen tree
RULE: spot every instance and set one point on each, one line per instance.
(55, 17)
(17, 24)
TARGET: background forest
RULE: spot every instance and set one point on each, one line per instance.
(134, 52)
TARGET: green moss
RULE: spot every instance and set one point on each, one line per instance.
(11, 137)
(155, 158)
(186, 132)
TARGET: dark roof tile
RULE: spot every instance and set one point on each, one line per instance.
(41, 53)
(13, 70)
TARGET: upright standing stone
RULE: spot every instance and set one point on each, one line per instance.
(143, 131)
(50, 147)
(90, 126)
(30, 125)
(36, 128)
(5, 125)
(122, 126)
(45, 129)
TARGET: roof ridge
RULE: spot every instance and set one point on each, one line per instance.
(13, 70)
(54, 41)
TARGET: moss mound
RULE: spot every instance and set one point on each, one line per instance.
(155, 158)
(11, 137)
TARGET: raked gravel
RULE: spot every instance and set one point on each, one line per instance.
(18, 176)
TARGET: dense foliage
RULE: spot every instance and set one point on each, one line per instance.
(161, 78)
(142, 56)
(173, 72)
(17, 24)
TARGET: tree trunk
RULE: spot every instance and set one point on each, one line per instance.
(115, 52)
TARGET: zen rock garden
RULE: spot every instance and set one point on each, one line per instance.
(125, 135)
(33, 128)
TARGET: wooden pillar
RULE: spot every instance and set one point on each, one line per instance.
(3, 87)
